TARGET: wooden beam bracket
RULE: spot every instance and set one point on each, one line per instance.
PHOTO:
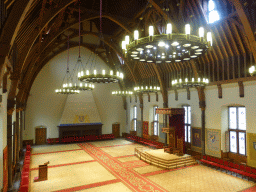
(219, 91)
(241, 88)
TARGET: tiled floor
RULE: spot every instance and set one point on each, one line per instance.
(79, 171)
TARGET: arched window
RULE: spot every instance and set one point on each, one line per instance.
(237, 129)
(187, 126)
(155, 120)
(135, 117)
(213, 13)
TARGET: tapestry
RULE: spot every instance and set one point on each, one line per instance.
(145, 128)
(213, 142)
(196, 137)
(5, 169)
(251, 137)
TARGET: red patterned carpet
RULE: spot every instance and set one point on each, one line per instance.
(130, 178)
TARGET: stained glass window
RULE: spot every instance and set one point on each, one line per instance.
(135, 117)
(233, 142)
(237, 130)
(189, 134)
(187, 121)
(186, 140)
(242, 143)
(189, 115)
(155, 118)
(232, 118)
(242, 118)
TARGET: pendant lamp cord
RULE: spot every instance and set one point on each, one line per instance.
(68, 56)
(79, 29)
(100, 16)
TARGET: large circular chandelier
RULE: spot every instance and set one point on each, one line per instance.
(252, 70)
(122, 93)
(190, 82)
(169, 47)
(103, 77)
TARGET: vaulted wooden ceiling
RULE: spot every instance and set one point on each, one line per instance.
(46, 24)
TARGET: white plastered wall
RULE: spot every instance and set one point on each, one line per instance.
(45, 107)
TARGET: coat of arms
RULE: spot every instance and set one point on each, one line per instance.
(81, 118)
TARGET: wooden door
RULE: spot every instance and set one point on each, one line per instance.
(40, 136)
(116, 130)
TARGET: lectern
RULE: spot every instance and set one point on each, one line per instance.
(43, 172)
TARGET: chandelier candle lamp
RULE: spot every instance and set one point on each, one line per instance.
(122, 93)
(168, 47)
(252, 70)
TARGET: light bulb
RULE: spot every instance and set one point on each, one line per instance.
(82, 73)
(161, 44)
(93, 86)
(79, 74)
(199, 79)
(103, 72)
(201, 32)
(187, 29)
(169, 28)
(111, 72)
(209, 37)
(151, 30)
(117, 73)
(180, 80)
(87, 72)
(136, 35)
(186, 80)
(81, 85)
(121, 75)
(95, 72)
(123, 45)
(193, 79)
(127, 39)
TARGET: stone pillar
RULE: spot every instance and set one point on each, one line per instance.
(202, 105)
(18, 135)
(141, 109)
(10, 109)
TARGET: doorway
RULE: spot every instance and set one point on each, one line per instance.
(116, 130)
(40, 136)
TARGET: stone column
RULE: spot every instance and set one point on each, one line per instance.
(10, 109)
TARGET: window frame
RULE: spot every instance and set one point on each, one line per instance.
(187, 139)
(155, 121)
(237, 130)
(135, 117)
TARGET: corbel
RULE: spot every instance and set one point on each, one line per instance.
(219, 91)
(148, 97)
(241, 88)
(188, 93)
(176, 94)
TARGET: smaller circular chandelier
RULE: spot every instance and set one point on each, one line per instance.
(66, 91)
(95, 77)
(190, 82)
(146, 89)
(169, 47)
(122, 93)
(252, 70)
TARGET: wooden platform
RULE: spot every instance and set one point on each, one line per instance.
(162, 159)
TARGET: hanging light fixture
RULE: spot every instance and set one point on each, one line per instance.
(190, 82)
(252, 70)
(67, 81)
(92, 75)
(75, 83)
(168, 47)
(146, 89)
(122, 93)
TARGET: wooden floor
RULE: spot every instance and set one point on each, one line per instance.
(107, 166)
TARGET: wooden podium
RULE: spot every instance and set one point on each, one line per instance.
(43, 173)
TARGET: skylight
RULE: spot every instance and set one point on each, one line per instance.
(213, 14)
